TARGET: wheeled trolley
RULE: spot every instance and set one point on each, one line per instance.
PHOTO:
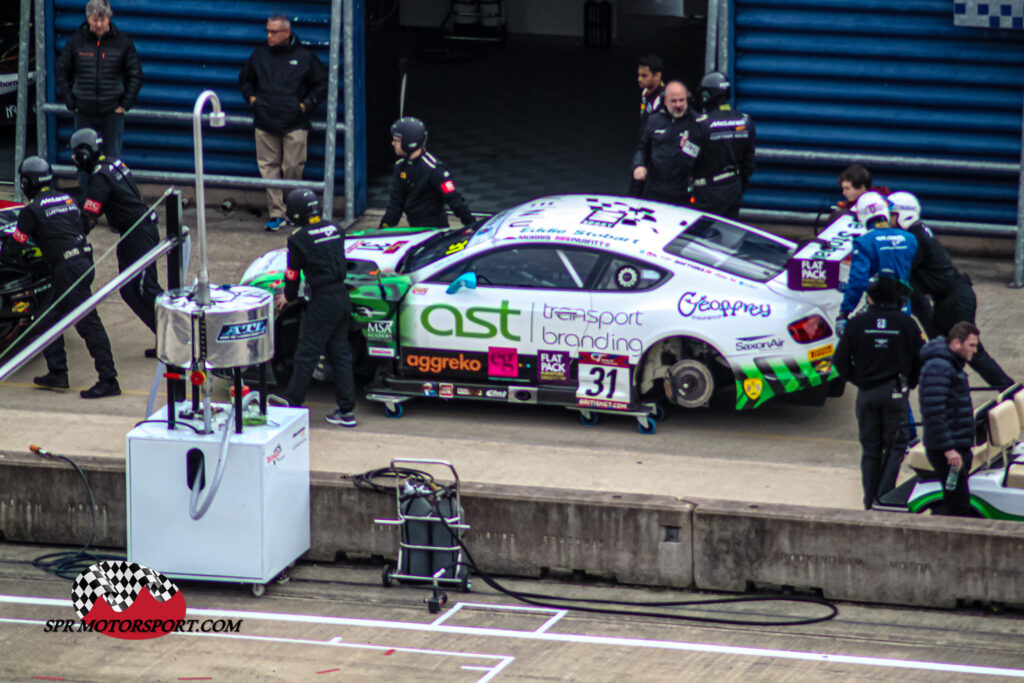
(432, 522)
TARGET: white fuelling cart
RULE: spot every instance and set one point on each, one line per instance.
(217, 491)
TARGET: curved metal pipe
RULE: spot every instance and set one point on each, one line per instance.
(217, 120)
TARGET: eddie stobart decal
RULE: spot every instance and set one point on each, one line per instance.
(702, 307)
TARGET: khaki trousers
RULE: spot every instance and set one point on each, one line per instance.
(280, 156)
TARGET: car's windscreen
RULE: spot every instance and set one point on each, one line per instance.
(732, 249)
(444, 243)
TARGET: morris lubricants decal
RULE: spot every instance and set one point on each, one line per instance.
(242, 331)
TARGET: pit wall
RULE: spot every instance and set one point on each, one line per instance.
(703, 544)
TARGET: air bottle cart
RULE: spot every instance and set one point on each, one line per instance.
(432, 522)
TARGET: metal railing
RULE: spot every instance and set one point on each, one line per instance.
(325, 186)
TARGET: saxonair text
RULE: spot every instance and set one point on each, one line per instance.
(144, 626)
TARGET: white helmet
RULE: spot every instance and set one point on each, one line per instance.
(869, 206)
(906, 207)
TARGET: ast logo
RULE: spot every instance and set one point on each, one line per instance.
(477, 322)
(242, 331)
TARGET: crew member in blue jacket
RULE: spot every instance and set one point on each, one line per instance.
(881, 248)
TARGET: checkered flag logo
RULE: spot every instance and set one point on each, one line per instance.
(120, 583)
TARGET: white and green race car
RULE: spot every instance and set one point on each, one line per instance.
(595, 303)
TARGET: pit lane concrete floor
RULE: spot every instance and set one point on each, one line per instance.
(778, 454)
(336, 622)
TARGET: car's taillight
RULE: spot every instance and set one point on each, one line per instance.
(809, 329)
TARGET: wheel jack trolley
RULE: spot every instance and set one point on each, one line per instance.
(432, 522)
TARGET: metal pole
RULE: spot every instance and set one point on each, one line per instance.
(350, 115)
(723, 36)
(83, 309)
(711, 40)
(21, 124)
(40, 25)
(891, 161)
(183, 116)
(331, 139)
(1018, 254)
(216, 121)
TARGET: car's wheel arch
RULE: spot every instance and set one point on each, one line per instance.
(661, 354)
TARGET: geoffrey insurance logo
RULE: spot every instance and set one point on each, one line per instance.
(127, 600)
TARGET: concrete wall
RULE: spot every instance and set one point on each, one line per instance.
(649, 540)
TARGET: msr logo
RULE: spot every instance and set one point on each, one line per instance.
(479, 322)
(240, 331)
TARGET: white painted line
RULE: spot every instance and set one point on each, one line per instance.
(503, 660)
(573, 638)
(510, 608)
(552, 621)
(441, 619)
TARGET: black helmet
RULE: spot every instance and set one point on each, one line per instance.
(301, 205)
(885, 287)
(86, 149)
(714, 89)
(411, 132)
(35, 174)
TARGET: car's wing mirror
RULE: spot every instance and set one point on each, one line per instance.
(467, 280)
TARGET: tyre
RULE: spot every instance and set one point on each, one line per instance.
(395, 412)
(691, 382)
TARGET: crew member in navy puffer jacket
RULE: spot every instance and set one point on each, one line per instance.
(947, 412)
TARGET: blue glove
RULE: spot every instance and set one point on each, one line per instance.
(840, 325)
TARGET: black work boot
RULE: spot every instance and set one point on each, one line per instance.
(105, 387)
(52, 380)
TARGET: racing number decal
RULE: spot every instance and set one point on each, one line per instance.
(598, 375)
(604, 381)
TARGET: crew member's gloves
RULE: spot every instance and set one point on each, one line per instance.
(841, 324)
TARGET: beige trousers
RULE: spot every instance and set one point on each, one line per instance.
(280, 156)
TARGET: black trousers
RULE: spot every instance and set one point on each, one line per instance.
(324, 330)
(722, 198)
(140, 292)
(881, 411)
(958, 501)
(962, 304)
(90, 328)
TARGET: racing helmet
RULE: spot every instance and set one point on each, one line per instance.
(871, 207)
(714, 89)
(886, 287)
(301, 205)
(411, 132)
(35, 174)
(86, 147)
(906, 207)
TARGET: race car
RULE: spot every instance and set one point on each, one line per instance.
(26, 286)
(595, 303)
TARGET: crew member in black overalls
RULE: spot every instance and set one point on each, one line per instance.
(111, 190)
(669, 146)
(317, 249)
(879, 352)
(52, 221)
(420, 184)
(726, 160)
(932, 274)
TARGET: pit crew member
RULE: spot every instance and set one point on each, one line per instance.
(420, 184)
(652, 91)
(317, 249)
(51, 219)
(726, 160)
(880, 354)
(668, 149)
(112, 191)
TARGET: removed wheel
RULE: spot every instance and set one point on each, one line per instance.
(691, 383)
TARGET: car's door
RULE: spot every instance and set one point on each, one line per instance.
(528, 298)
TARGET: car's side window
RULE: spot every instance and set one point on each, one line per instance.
(541, 267)
(621, 274)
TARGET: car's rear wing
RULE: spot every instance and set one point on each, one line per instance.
(823, 262)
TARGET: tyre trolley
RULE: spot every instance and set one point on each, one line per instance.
(432, 523)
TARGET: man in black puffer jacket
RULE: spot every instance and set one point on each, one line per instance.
(282, 81)
(947, 411)
(99, 77)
